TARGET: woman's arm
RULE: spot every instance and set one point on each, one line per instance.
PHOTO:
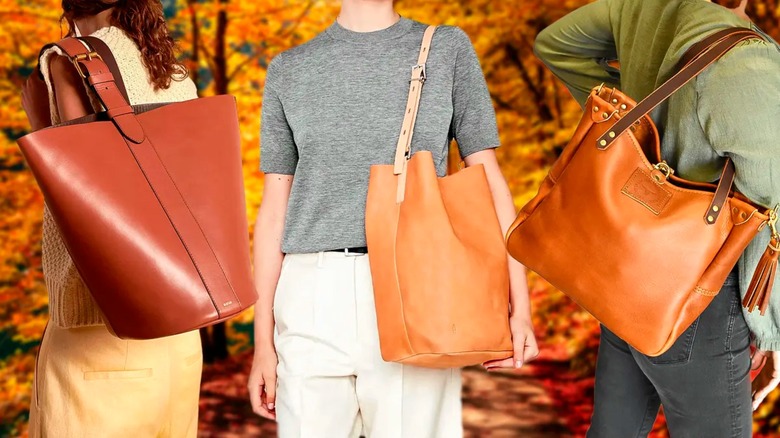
(268, 257)
(279, 158)
(577, 47)
(69, 91)
(525, 346)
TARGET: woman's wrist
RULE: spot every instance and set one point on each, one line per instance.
(264, 329)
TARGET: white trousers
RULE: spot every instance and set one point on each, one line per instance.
(332, 381)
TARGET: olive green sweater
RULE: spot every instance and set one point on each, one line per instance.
(730, 110)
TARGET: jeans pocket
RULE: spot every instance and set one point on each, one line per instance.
(681, 350)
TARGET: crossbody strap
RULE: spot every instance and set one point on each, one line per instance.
(403, 151)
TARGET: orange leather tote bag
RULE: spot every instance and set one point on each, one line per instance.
(640, 249)
(150, 205)
(439, 265)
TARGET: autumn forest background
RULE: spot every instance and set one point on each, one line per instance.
(227, 45)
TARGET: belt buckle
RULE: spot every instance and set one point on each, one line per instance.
(352, 254)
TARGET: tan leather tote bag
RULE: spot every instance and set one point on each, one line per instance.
(439, 265)
(150, 204)
(612, 227)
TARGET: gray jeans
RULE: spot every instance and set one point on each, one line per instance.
(702, 381)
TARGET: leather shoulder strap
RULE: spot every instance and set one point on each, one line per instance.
(403, 148)
(107, 55)
(91, 66)
(699, 48)
(97, 45)
(699, 61)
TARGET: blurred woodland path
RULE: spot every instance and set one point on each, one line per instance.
(495, 405)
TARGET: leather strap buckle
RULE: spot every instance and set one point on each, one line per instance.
(423, 74)
(773, 218)
(76, 60)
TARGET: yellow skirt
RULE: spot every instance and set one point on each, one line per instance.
(89, 383)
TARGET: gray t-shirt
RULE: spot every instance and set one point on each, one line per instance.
(333, 107)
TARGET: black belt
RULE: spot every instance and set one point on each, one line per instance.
(356, 250)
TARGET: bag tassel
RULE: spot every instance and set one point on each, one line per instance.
(760, 288)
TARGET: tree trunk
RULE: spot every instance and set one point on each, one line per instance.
(214, 339)
(195, 57)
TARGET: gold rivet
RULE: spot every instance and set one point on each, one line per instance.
(605, 115)
(624, 106)
(710, 219)
(715, 208)
(611, 134)
(595, 109)
(603, 142)
(744, 215)
(614, 101)
(735, 210)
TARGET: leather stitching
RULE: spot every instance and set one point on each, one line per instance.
(706, 292)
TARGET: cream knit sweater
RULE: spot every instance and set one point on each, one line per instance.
(70, 304)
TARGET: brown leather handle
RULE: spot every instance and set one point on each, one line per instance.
(725, 184)
(703, 60)
(726, 181)
(699, 48)
(96, 72)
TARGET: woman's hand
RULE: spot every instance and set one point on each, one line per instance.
(769, 377)
(262, 382)
(524, 345)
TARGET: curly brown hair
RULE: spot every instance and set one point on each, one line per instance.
(144, 22)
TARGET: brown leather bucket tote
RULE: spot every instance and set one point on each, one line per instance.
(149, 201)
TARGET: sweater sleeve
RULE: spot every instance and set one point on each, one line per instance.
(577, 47)
(278, 152)
(738, 104)
(474, 124)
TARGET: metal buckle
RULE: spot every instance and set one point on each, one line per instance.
(665, 168)
(773, 217)
(423, 74)
(84, 57)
